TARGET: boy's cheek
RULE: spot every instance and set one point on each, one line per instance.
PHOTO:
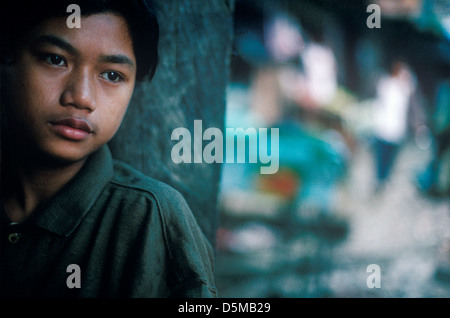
(114, 122)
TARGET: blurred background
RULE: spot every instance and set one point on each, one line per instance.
(363, 111)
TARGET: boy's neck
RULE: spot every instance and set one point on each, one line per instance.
(26, 186)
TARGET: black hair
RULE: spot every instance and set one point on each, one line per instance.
(19, 17)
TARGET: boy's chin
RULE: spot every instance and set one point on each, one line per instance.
(59, 161)
(65, 156)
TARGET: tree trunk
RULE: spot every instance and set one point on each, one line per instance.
(190, 83)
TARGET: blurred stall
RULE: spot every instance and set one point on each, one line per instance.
(310, 69)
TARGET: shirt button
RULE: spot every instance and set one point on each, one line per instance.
(13, 238)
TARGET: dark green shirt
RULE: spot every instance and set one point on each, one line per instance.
(130, 235)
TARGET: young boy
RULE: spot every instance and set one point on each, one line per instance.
(74, 222)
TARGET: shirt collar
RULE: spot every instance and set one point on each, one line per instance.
(66, 209)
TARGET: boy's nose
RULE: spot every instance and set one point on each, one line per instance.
(79, 91)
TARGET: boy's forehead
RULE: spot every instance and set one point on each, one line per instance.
(103, 31)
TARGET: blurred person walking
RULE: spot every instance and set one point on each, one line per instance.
(394, 92)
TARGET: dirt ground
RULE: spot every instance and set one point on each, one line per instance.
(403, 231)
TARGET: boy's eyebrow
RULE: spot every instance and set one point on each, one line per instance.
(118, 59)
(57, 41)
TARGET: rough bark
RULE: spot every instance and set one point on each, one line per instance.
(190, 83)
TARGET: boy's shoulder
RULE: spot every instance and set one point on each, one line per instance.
(178, 227)
(136, 186)
(127, 176)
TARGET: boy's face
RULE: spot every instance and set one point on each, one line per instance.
(70, 88)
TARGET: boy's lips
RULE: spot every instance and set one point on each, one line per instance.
(72, 128)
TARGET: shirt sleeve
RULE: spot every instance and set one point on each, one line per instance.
(190, 253)
(160, 250)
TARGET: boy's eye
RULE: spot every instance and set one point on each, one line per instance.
(112, 76)
(54, 59)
